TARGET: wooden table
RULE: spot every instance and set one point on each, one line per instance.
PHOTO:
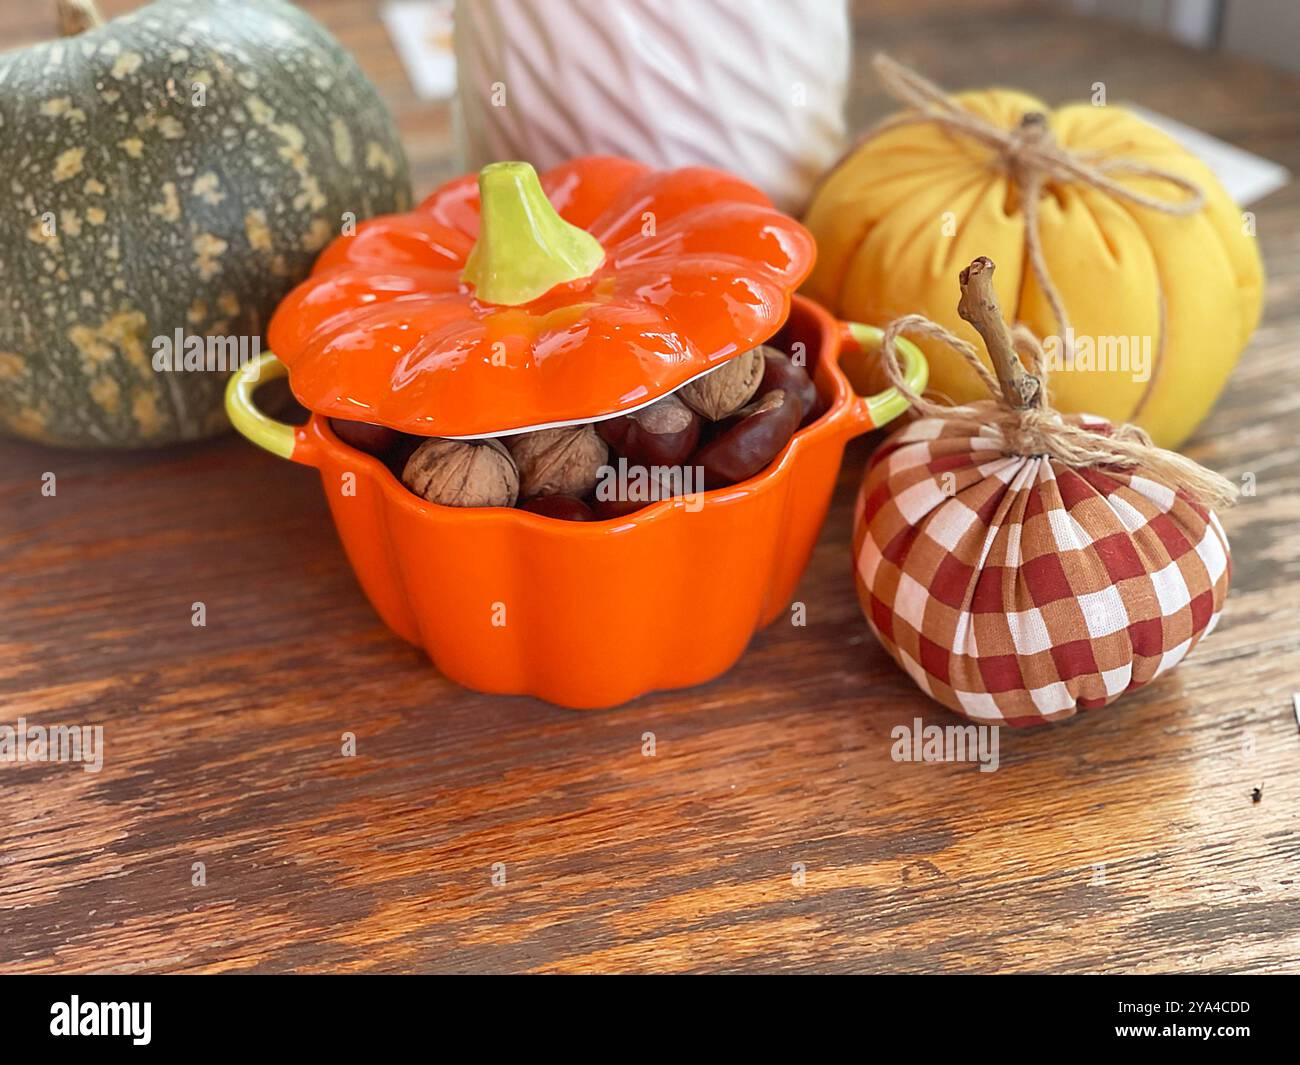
(1125, 840)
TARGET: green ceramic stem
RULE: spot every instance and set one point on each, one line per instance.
(524, 247)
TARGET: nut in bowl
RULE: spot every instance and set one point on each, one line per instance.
(539, 338)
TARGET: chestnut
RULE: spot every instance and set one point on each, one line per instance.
(662, 434)
(365, 436)
(560, 507)
(780, 371)
(604, 509)
(750, 440)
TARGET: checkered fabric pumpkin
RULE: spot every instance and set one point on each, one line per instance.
(1015, 590)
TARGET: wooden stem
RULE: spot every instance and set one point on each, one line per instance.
(979, 307)
(77, 16)
(1034, 124)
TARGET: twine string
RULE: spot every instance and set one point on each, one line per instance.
(1032, 158)
(1041, 431)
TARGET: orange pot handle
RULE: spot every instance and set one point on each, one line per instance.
(873, 411)
(279, 438)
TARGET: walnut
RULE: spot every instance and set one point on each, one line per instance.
(463, 473)
(726, 389)
(564, 461)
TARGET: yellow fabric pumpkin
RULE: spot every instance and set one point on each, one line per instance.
(897, 218)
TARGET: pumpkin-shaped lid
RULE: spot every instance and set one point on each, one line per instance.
(503, 303)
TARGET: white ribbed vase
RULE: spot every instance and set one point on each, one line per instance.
(755, 87)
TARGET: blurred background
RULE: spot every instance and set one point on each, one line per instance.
(1055, 48)
(1260, 29)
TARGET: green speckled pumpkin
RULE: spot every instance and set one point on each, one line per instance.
(176, 168)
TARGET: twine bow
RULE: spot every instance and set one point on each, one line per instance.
(1019, 412)
(1032, 158)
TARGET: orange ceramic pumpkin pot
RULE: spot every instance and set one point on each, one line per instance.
(580, 614)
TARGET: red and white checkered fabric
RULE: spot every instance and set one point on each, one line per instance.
(1015, 590)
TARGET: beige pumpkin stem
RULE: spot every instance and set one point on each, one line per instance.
(77, 16)
(979, 307)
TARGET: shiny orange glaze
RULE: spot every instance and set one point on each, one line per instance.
(698, 268)
(595, 614)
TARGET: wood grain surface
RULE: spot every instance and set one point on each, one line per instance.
(1125, 840)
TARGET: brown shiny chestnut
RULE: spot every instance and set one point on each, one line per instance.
(365, 436)
(780, 371)
(662, 434)
(750, 439)
(604, 509)
(560, 507)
